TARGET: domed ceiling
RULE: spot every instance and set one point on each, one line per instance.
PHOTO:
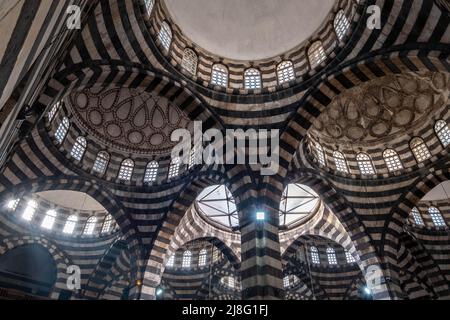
(249, 29)
(381, 109)
(128, 119)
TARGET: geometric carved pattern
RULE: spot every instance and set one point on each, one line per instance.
(128, 119)
(382, 108)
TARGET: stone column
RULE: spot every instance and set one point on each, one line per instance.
(261, 268)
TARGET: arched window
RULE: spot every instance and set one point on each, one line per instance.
(70, 225)
(252, 79)
(171, 261)
(53, 111)
(365, 164)
(285, 72)
(340, 162)
(151, 172)
(192, 157)
(349, 257)
(101, 162)
(149, 4)
(79, 148)
(190, 61)
(165, 36)
(316, 54)
(443, 132)
(231, 282)
(286, 282)
(331, 255)
(89, 228)
(320, 154)
(12, 204)
(219, 76)
(174, 168)
(417, 217)
(228, 282)
(392, 160)
(202, 258)
(436, 217)
(62, 130)
(49, 220)
(315, 255)
(187, 256)
(419, 149)
(107, 224)
(30, 210)
(126, 170)
(341, 25)
(217, 254)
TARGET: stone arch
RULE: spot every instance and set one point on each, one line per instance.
(321, 95)
(158, 256)
(99, 193)
(367, 255)
(98, 75)
(62, 260)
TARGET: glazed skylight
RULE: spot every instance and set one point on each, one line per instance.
(217, 203)
(298, 202)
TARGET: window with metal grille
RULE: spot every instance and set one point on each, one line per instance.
(443, 132)
(286, 282)
(331, 255)
(341, 25)
(79, 148)
(190, 61)
(53, 111)
(340, 162)
(436, 217)
(202, 258)
(89, 228)
(316, 54)
(70, 225)
(49, 220)
(149, 4)
(420, 149)
(315, 255)
(392, 160)
(349, 257)
(126, 170)
(252, 79)
(12, 204)
(365, 164)
(101, 162)
(219, 76)
(151, 172)
(62, 130)
(187, 257)
(107, 224)
(171, 261)
(285, 72)
(174, 168)
(417, 217)
(29, 211)
(165, 36)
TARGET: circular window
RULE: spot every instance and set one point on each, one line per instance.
(217, 203)
(297, 203)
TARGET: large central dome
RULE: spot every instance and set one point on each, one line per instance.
(249, 29)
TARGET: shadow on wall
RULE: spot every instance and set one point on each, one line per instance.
(30, 269)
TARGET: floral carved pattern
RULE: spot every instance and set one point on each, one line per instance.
(128, 119)
(382, 108)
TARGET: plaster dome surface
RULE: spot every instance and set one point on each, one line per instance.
(249, 29)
